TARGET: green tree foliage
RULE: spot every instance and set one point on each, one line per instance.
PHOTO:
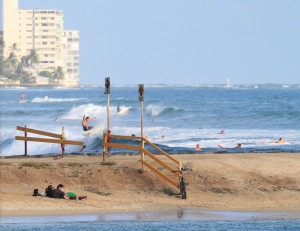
(58, 73)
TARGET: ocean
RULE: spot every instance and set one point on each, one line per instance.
(185, 115)
(176, 117)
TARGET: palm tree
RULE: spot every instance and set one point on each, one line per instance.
(2, 65)
(32, 57)
(12, 59)
(2, 62)
(58, 73)
(2, 45)
(24, 63)
(14, 47)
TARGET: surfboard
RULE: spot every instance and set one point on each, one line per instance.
(123, 111)
(93, 131)
(23, 100)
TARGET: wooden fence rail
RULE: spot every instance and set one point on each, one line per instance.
(60, 138)
(107, 144)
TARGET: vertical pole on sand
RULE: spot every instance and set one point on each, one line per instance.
(104, 148)
(141, 99)
(108, 112)
(62, 144)
(108, 122)
(107, 92)
(25, 134)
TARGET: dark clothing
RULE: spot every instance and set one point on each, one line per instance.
(56, 193)
(49, 190)
(86, 128)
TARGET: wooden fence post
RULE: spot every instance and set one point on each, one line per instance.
(25, 134)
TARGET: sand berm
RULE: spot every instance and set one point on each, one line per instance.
(227, 182)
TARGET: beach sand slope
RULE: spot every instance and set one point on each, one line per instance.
(229, 182)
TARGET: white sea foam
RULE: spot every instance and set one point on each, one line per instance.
(123, 111)
(91, 110)
(16, 147)
(177, 138)
(46, 99)
(154, 110)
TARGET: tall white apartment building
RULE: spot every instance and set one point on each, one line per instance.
(70, 58)
(42, 30)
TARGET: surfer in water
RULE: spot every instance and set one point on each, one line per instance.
(85, 123)
(22, 96)
(280, 141)
(118, 109)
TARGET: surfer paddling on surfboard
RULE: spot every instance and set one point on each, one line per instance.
(85, 122)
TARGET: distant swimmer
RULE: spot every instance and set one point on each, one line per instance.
(221, 132)
(280, 141)
(198, 148)
(118, 109)
(239, 146)
(85, 122)
(83, 148)
(22, 96)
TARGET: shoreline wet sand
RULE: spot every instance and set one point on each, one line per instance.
(252, 182)
(149, 216)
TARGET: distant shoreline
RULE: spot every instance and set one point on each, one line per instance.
(251, 86)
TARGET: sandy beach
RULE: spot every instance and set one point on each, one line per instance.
(218, 182)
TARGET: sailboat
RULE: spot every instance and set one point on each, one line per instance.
(228, 83)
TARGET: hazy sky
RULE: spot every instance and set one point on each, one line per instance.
(184, 41)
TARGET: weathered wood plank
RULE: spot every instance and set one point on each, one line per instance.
(46, 140)
(161, 151)
(167, 178)
(122, 146)
(30, 130)
(156, 159)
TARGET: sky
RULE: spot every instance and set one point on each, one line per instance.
(184, 41)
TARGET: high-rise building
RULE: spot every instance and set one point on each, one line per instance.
(70, 41)
(42, 30)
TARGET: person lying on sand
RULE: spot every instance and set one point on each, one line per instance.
(63, 193)
(70, 195)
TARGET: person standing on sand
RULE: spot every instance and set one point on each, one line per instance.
(85, 123)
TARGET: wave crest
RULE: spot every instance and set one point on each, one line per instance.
(46, 99)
